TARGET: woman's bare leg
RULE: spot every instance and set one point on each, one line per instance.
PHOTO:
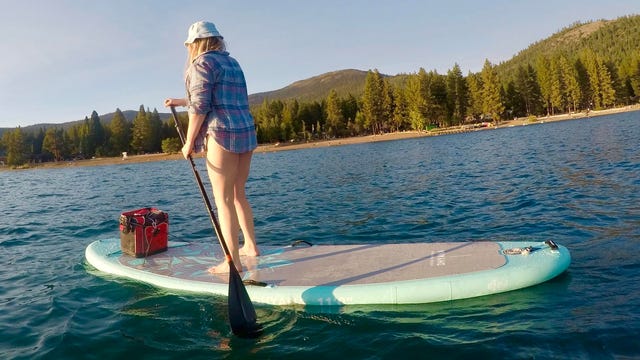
(243, 208)
(222, 167)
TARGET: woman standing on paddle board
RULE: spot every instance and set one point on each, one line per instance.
(220, 124)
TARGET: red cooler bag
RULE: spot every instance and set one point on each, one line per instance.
(143, 232)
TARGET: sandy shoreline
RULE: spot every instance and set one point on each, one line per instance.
(336, 142)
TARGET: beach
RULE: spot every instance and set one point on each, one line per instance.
(342, 141)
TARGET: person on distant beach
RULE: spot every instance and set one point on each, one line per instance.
(220, 124)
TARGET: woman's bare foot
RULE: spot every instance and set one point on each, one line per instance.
(249, 251)
(222, 268)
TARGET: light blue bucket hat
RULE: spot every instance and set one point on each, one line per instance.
(201, 29)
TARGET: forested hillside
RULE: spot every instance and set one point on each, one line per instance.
(616, 42)
(593, 65)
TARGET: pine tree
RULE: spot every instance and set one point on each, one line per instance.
(373, 101)
(95, 135)
(335, 119)
(53, 142)
(37, 141)
(290, 120)
(514, 101)
(400, 112)
(492, 103)
(556, 95)
(75, 140)
(120, 133)
(527, 87)
(474, 82)
(593, 74)
(141, 132)
(543, 70)
(155, 124)
(569, 76)
(583, 82)
(457, 96)
(415, 97)
(15, 147)
(607, 85)
(438, 99)
(349, 110)
(387, 105)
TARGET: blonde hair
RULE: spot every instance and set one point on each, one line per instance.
(202, 45)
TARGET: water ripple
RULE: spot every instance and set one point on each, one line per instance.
(575, 182)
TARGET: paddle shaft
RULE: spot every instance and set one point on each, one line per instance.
(203, 192)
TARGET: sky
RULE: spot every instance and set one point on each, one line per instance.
(62, 59)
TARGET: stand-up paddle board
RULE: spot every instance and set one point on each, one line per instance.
(408, 273)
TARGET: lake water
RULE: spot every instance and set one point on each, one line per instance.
(576, 182)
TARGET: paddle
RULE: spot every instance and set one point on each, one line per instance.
(242, 315)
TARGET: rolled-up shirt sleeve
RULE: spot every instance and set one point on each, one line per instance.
(199, 88)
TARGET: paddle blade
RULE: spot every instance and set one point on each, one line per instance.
(242, 315)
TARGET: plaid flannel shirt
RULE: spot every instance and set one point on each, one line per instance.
(216, 87)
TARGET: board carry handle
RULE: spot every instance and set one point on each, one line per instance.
(299, 242)
(551, 244)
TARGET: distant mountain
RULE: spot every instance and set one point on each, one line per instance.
(317, 88)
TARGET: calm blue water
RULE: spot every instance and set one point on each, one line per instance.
(576, 182)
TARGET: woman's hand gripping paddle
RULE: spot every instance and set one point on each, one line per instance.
(242, 315)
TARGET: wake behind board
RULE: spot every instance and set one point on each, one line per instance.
(409, 273)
